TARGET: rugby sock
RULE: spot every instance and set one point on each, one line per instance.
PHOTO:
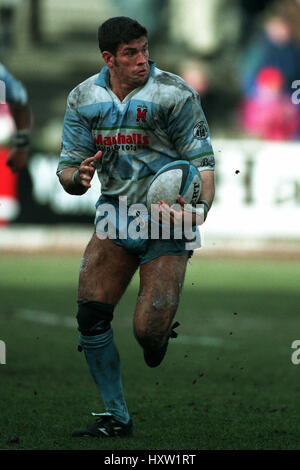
(104, 364)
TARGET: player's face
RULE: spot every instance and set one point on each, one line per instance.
(130, 65)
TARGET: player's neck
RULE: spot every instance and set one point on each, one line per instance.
(121, 90)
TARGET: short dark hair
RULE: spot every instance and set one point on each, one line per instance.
(118, 30)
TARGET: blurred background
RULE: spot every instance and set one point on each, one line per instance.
(241, 56)
(229, 374)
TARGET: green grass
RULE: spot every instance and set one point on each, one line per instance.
(239, 390)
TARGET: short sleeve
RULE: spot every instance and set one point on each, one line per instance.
(189, 132)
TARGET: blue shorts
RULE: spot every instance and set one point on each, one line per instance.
(133, 233)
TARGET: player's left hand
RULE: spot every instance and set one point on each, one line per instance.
(175, 214)
(17, 160)
(171, 215)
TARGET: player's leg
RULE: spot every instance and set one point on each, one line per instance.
(106, 270)
(161, 282)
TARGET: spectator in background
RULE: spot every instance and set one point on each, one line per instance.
(17, 101)
(269, 67)
(290, 11)
(195, 74)
(251, 12)
(199, 76)
(275, 47)
(269, 113)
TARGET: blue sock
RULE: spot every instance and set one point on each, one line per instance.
(104, 364)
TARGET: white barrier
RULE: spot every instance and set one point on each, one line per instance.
(258, 190)
(257, 195)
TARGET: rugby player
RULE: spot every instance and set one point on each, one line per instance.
(126, 123)
(16, 97)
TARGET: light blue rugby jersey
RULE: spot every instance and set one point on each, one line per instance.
(155, 124)
(14, 91)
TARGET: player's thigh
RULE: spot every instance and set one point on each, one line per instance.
(161, 282)
(105, 272)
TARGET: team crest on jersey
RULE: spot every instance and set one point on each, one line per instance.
(200, 130)
(141, 113)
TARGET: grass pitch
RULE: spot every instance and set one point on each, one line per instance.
(227, 381)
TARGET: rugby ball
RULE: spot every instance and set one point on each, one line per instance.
(179, 177)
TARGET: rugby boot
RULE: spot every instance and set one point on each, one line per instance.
(105, 426)
(154, 357)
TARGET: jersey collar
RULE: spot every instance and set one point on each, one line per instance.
(103, 77)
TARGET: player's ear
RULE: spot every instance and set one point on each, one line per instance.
(108, 58)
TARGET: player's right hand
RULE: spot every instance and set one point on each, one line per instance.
(87, 169)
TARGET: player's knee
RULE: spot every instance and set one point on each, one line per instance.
(94, 317)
